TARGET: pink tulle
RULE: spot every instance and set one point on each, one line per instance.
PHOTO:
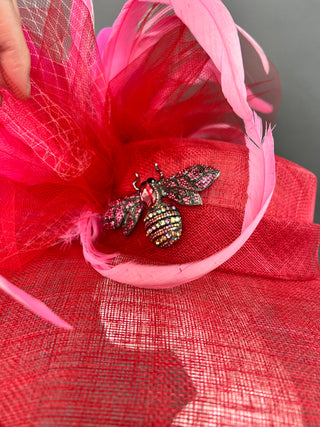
(116, 54)
(258, 48)
(212, 25)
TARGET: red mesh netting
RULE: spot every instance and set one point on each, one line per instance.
(54, 148)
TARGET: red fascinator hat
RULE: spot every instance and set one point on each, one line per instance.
(141, 206)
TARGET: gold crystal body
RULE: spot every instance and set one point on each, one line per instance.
(163, 225)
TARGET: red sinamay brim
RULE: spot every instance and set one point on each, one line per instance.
(238, 347)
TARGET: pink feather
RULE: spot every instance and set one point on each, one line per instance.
(262, 176)
(258, 104)
(102, 40)
(89, 228)
(258, 49)
(32, 304)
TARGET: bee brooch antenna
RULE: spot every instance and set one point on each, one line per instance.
(135, 182)
(159, 171)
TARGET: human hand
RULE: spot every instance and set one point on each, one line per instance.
(14, 53)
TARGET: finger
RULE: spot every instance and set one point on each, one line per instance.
(16, 7)
(14, 54)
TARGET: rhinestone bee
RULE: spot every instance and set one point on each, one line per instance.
(162, 222)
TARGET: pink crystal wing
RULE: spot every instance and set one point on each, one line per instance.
(123, 213)
(183, 187)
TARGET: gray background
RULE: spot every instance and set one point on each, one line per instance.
(289, 33)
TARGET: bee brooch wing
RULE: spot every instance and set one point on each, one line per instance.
(123, 213)
(183, 187)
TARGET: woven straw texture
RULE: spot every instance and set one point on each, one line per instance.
(230, 349)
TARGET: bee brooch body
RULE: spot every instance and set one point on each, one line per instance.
(163, 222)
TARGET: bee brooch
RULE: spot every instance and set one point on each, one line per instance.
(162, 222)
